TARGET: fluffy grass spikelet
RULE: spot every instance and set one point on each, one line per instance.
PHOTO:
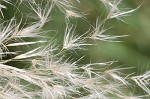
(50, 73)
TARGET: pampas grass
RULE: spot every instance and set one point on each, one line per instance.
(50, 75)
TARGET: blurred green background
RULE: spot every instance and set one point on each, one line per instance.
(133, 51)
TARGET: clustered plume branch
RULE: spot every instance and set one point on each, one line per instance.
(50, 75)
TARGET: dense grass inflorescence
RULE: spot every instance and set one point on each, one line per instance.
(48, 71)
